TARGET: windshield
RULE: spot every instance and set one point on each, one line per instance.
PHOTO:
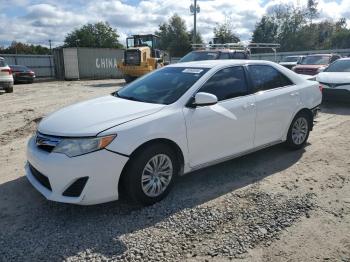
(198, 56)
(163, 86)
(315, 60)
(339, 66)
(290, 59)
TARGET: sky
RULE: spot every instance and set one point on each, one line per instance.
(35, 22)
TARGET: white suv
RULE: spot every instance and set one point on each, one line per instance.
(6, 78)
(172, 121)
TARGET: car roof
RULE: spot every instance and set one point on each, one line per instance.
(320, 54)
(343, 58)
(215, 63)
(219, 50)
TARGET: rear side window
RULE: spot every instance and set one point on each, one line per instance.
(239, 55)
(266, 77)
(227, 83)
(2, 63)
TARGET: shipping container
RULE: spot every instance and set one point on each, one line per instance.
(87, 63)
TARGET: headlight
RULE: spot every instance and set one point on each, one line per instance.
(80, 146)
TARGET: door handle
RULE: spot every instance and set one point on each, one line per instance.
(247, 105)
(294, 94)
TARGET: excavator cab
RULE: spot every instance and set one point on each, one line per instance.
(142, 55)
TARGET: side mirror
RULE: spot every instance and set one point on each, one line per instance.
(205, 99)
(166, 63)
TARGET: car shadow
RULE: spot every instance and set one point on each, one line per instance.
(334, 107)
(32, 225)
(114, 84)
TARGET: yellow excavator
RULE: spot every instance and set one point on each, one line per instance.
(142, 55)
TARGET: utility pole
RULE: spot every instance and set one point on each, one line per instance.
(50, 46)
(194, 10)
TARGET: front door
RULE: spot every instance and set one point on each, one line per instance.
(226, 128)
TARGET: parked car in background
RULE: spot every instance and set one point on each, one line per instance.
(6, 79)
(335, 80)
(201, 55)
(172, 121)
(314, 64)
(291, 61)
(22, 74)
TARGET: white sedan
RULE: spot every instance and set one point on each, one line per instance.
(335, 80)
(172, 121)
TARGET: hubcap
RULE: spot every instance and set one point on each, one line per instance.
(299, 130)
(156, 175)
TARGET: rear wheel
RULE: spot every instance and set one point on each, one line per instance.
(9, 89)
(151, 174)
(299, 131)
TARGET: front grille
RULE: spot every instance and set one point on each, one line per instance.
(132, 57)
(43, 180)
(75, 189)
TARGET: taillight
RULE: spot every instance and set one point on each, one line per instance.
(320, 87)
(7, 70)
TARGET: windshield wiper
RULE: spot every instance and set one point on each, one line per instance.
(129, 97)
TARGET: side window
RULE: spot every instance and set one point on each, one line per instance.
(224, 56)
(334, 58)
(266, 77)
(227, 83)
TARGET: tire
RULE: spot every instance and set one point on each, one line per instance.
(128, 78)
(136, 170)
(30, 81)
(9, 89)
(299, 131)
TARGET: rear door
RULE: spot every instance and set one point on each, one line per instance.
(277, 99)
(226, 128)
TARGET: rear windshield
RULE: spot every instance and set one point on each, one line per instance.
(315, 60)
(163, 86)
(2, 63)
(199, 56)
(18, 67)
(339, 66)
(290, 59)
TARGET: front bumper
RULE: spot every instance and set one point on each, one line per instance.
(336, 94)
(102, 168)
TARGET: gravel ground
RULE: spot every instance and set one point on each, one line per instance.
(273, 205)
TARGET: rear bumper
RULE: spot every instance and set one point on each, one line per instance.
(5, 84)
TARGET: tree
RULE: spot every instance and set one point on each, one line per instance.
(199, 38)
(100, 35)
(174, 37)
(265, 30)
(224, 34)
(312, 11)
(22, 48)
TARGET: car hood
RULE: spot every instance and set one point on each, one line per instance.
(334, 77)
(288, 63)
(93, 116)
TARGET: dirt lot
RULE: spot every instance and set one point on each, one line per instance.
(273, 205)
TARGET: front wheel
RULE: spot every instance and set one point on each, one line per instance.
(151, 174)
(129, 78)
(299, 131)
